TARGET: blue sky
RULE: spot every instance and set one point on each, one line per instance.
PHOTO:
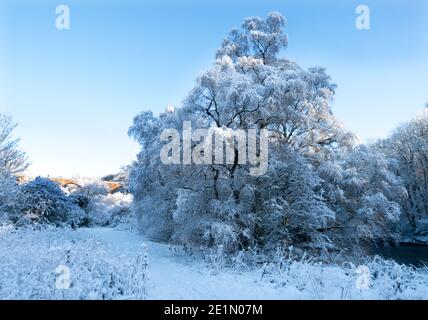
(74, 93)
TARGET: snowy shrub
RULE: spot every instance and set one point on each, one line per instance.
(109, 210)
(80, 200)
(386, 279)
(43, 201)
(101, 207)
(87, 192)
(393, 281)
(33, 262)
(290, 274)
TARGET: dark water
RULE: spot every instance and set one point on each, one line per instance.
(410, 254)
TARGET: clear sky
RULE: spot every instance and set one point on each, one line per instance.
(74, 93)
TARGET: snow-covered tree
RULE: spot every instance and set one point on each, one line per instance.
(12, 159)
(252, 87)
(408, 146)
(364, 192)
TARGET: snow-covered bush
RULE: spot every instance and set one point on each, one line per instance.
(36, 265)
(102, 208)
(110, 210)
(87, 193)
(43, 201)
(292, 275)
(384, 280)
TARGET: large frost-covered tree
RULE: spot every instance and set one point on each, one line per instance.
(251, 87)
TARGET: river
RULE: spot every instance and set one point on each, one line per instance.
(409, 254)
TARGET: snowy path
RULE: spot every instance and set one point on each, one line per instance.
(172, 278)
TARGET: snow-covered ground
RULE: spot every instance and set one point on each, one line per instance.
(109, 263)
(65, 264)
(172, 277)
